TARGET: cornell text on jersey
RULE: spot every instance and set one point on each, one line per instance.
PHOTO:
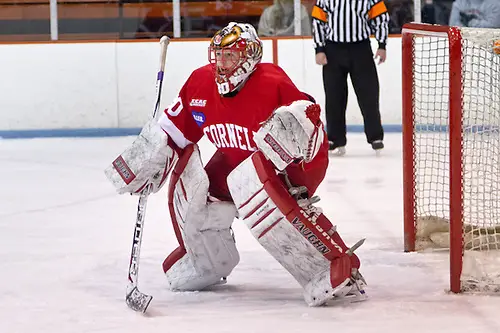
(229, 136)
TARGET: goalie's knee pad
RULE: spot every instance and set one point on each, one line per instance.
(301, 240)
(207, 252)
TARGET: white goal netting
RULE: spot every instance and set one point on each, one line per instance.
(480, 150)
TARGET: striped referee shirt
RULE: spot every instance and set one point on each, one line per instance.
(348, 21)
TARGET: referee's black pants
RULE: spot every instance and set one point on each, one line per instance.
(355, 59)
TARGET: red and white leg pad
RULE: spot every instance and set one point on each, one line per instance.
(207, 251)
(299, 241)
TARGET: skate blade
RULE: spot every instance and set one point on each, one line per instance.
(346, 300)
(355, 295)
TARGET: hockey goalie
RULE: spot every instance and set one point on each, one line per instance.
(272, 154)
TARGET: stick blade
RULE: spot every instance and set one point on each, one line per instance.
(138, 301)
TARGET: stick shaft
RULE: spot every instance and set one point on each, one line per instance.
(134, 298)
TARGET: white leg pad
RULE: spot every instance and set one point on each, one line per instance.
(210, 250)
(300, 246)
(298, 257)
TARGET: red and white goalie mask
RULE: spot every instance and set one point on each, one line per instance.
(234, 52)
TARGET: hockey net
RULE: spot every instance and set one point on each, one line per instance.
(451, 149)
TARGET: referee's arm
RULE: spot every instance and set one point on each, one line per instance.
(379, 22)
(320, 25)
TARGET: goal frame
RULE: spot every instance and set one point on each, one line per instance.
(455, 141)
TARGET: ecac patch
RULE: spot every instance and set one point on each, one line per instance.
(199, 117)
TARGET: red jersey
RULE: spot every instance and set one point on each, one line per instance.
(230, 122)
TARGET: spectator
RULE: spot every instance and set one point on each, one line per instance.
(475, 13)
(156, 23)
(400, 12)
(278, 20)
(429, 12)
(442, 9)
(436, 11)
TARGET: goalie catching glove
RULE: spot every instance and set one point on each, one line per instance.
(293, 132)
(147, 161)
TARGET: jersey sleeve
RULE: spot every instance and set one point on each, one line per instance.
(320, 24)
(178, 122)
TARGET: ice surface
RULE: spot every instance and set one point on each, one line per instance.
(65, 239)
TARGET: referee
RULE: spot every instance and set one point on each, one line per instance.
(341, 33)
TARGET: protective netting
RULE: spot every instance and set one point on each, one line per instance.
(480, 142)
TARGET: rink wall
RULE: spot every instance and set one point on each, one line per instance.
(108, 88)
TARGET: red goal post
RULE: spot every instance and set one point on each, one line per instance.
(451, 148)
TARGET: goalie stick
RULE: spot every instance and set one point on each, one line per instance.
(136, 300)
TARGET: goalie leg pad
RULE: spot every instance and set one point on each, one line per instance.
(207, 251)
(292, 236)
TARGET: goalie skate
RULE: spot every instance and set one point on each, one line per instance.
(358, 284)
(354, 290)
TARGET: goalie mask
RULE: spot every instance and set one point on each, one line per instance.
(234, 52)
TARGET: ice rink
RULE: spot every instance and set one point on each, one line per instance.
(66, 236)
